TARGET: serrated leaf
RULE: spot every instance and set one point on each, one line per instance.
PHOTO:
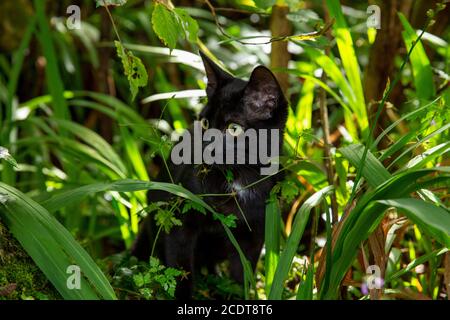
(134, 69)
(289, 190)
(189, 205)
(228, 220)
(189, 24)
(166, 25)
(166, 220)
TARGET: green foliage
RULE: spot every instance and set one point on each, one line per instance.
(228, 220)
(144, 280)
(272, 240)
(422, 71)
(84, 155)
(133, 67)
(166, 220)
(301, 218)
(189, 205)
(173, 24)
(157, 278)
(51, 246)
(187, 23)
(166, 25)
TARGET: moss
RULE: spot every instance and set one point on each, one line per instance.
(20, 278)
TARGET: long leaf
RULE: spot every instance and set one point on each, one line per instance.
(373, 170)
(75, 195)
(298, 227)
(272, 240)
(422, 72)
(432, 219)
(51, 246)
(366, 215)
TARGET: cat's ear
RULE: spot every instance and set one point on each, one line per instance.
(216, 75)
(263, 94)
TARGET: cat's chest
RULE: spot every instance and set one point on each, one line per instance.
(242, 193)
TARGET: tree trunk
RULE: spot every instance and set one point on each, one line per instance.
(279, 57)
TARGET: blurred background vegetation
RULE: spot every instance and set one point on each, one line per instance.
(87, 113)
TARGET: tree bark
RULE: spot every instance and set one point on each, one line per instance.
(279, 57)
(387, 44)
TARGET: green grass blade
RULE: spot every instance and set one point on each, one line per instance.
(272, 240)
(373, 170)
(418, 143)
(298, 227)
(422, 71)
(335, 74)
(422, 159)
(397, 145)
(415, 263)
(94, 140)
(402, 118)
(432, 219)
(349, 61)
(133, 153)
(75, 195)
(54, 81)
(305, 289)
(366, 215)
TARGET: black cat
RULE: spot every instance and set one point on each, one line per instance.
(201, 241)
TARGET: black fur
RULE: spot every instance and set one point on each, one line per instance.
(201, 241)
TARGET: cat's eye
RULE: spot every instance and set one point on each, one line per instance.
(205, 123)
(235, 129)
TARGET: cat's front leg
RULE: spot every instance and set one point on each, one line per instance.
(179, 252)
(251, 243)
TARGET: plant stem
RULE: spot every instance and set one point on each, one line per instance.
(112, 22)
(326, 136)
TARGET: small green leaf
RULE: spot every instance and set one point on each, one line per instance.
(188, 23)
(229, 176)
(289, 190)
(166, 25)
(189, 205)
(138, 279)
(166, 220)
(228, 220)
(133, 67)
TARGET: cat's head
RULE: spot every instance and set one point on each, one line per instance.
(242, 124)
(251, 113)
(258, 103)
